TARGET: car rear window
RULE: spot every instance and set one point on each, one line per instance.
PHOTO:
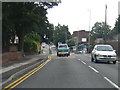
(63, 46)
(104, 48)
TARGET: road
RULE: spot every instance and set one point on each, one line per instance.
(75, 71)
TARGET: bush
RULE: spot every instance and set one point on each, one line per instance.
(31, 46)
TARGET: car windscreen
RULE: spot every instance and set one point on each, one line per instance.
(104, 48)
(63, 46)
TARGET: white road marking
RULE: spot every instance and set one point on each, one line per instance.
(112, 83)
(83, 62)
(93, 69)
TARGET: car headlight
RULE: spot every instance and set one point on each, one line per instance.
(114, 55)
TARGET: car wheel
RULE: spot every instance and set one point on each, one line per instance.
(58, 54)
(96, 60)
(108, 61)
(114, 62)
(92, 59)
(69, 54)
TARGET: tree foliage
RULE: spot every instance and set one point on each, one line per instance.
(21, 18)
(32, 42)
(33, 36)
(48, 36)
(61, 34)
(117, 25)
(100, 30)
(31, 46)
(116, 30)
(71, 42)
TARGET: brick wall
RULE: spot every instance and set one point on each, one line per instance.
(81, 34)
(13, 48)
(10, 57)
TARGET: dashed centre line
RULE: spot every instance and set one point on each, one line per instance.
(83, 62)
(112, 83)
(93, 69)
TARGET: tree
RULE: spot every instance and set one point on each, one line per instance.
(61, 34)
(100, 30)
(71, 42)
(32, 42)
(48, 35)
(117, 25)
(21, 18)
(33, 36)
(115, 30)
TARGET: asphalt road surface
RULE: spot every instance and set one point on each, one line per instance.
(75, 71)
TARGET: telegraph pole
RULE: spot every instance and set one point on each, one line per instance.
(105, 22)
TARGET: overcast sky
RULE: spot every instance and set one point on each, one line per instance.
(76, 13)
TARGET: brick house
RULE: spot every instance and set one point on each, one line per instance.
(81, 36)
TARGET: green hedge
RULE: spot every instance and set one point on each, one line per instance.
(31, 46)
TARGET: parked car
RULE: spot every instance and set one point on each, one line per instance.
(63, 50)
(103, 53)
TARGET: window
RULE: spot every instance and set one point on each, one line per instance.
(104, 48)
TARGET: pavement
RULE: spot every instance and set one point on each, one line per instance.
(13, 70)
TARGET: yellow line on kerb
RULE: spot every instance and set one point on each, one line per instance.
(21, 79)
(27, 76)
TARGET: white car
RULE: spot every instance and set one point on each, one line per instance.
(103, 53)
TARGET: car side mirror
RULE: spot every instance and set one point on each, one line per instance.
(114, 50)
(95, 49)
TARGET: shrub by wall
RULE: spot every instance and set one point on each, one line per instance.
(31, 46)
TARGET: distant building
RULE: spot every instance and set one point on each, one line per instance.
(99, 40)
(81, 36)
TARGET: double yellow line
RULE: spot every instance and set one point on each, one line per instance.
(21, 79)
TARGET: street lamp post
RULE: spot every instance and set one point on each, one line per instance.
(89, 29)
(89, 25)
